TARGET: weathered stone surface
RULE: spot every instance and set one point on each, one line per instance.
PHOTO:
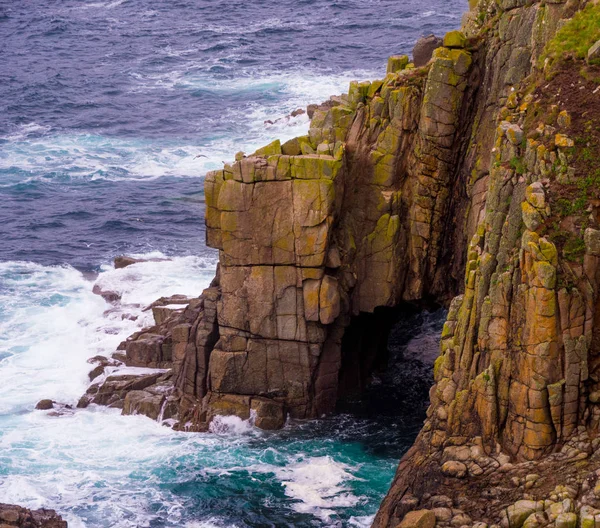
(418, 519)
(269, 414)
(454, 39)
(11, 515)
(397, 63)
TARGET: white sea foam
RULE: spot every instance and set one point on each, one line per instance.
(320, 484)
(230, 425)
(34, 152)
(82, 463)
(51, 322)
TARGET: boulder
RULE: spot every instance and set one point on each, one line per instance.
(143, 402)
(418, 519)
(44, 405)
(453, 468)
(516, 514)
(424, 48)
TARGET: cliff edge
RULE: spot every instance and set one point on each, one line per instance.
(473, 182)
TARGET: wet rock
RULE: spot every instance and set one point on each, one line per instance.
(269, 414)
(98, 371)
(143, 402)
(112, 391)
(424, 48)
(44, 405)
(107, 295)
(124, 261)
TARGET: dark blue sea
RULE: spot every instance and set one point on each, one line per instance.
(111, 112)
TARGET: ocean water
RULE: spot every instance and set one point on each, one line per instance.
(111, 112)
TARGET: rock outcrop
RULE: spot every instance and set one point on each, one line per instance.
(23, 518)
(471, 181)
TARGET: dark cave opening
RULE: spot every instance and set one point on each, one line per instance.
(387, 362)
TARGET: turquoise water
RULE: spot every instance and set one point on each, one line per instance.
(99, 468)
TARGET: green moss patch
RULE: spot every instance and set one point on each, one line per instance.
(576, 37)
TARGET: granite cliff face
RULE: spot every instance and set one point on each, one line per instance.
(472, 182)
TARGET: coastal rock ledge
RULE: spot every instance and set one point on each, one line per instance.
(11, 516)
(472, 182)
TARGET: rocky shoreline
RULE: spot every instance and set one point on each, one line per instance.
(469, 178)
(23, 518)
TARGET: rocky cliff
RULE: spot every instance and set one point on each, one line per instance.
(471, 181)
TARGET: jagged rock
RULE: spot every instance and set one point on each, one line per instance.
(107, 295)
(440, 182)
(123, 261)
(112, 391)
(23, 518)
(424, 48)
